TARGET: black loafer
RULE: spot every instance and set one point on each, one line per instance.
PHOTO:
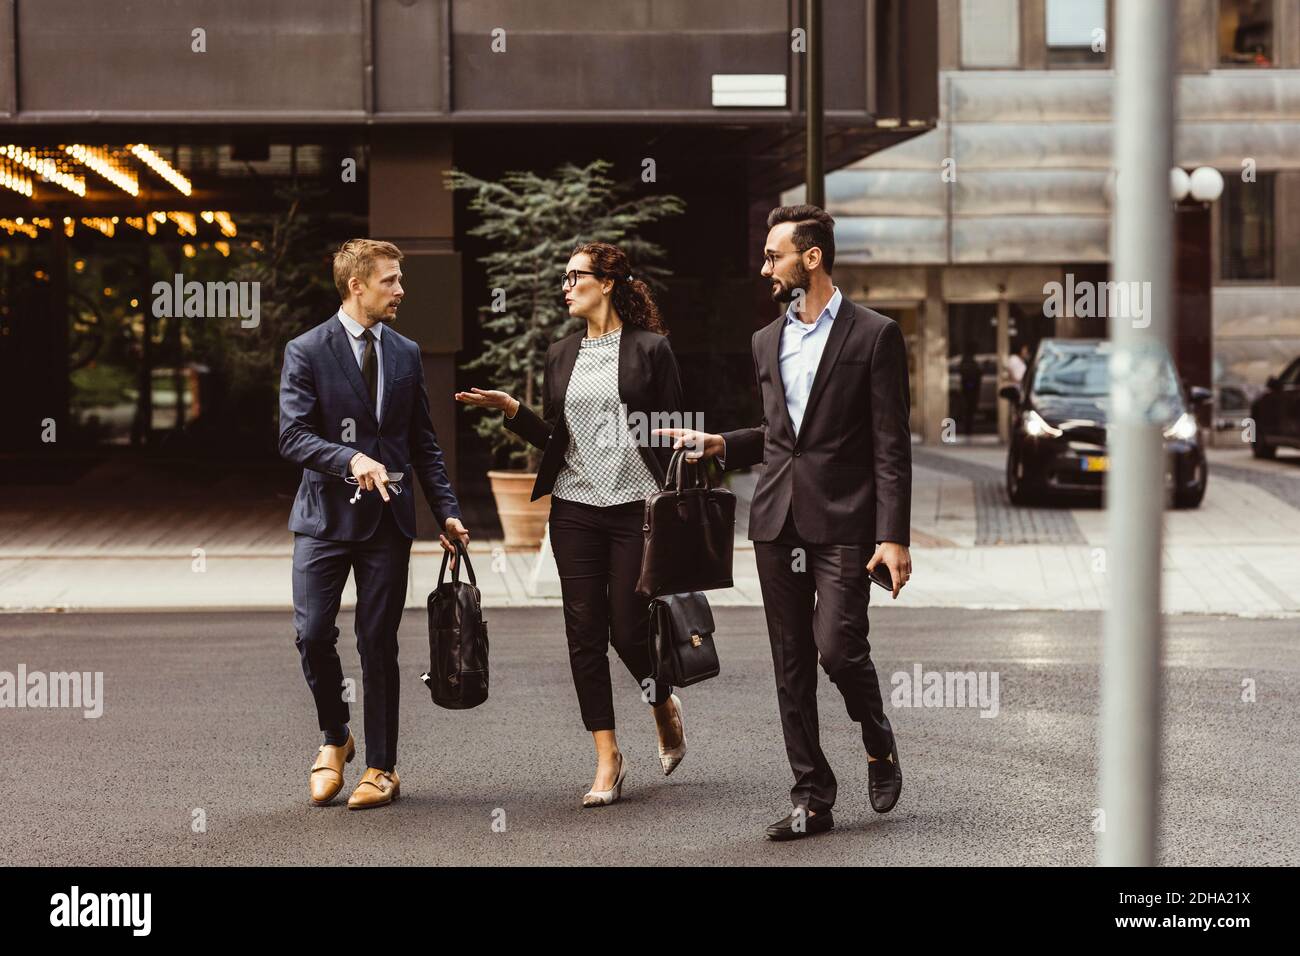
(799, 825)
(885, 782)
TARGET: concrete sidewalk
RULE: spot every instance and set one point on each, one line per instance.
(1236, 554)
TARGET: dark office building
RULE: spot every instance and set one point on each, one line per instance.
(228, 140)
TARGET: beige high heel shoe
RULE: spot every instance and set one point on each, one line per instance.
(670, 757)
(603, 798)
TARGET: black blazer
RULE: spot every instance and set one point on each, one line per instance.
(648, 382)
(848, 475)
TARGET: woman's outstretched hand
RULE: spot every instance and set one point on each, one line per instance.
(487, 398)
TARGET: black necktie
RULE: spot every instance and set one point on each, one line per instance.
(370, 366)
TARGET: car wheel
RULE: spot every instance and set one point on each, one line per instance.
(1017, 488)
(1262, 449)
(1192, 497)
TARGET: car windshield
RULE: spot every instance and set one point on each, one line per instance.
(1083, 372)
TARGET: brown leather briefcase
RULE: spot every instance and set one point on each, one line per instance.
(690, 528)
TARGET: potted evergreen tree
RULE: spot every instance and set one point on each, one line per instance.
(533, 223)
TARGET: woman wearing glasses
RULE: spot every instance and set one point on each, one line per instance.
(598, 469)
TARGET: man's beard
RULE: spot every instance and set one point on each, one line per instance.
(799, 282)
(383, 316)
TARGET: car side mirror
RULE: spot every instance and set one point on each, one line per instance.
(1199, 394)
(1272, 382)
(1010, 392)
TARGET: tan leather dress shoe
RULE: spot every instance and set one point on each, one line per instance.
(327, 771)
(376, 789)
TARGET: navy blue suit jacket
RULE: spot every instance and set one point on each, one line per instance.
(321, 392)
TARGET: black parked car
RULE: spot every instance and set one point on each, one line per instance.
(1058, 437)
(1277, 413)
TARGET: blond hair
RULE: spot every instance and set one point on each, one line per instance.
(357, 257)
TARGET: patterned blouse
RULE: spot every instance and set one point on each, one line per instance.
(601, 465)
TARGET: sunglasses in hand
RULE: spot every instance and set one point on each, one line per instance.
(394, 479)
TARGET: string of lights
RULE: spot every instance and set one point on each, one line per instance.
(46, 168)
(160, 166)
(101, 160)
(22, 168)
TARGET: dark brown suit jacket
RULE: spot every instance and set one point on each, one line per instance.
(648, 382)
(848, 474)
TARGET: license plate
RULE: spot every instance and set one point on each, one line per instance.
(1094, 463)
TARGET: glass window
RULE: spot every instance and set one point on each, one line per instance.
(990, 33)
(1084, 371)
(1291, 376)
(1247, 233)
(1245, 32)
(1076, 32)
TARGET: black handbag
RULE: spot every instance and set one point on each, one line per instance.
(681, 640)
(690, 529)
(458, 640)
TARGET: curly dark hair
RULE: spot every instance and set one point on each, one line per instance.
(632, 298)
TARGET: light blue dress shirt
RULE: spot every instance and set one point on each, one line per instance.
(802, 345)
(355, 329)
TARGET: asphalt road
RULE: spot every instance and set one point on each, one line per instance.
(210, 713)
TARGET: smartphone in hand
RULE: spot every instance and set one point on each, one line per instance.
(880, 575)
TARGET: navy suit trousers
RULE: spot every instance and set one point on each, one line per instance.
(320, 569)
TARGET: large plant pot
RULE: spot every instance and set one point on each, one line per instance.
(523, 521)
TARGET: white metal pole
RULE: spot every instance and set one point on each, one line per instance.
(1130, 686)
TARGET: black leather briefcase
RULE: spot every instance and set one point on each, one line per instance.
(458, 641)
(690, 528)
(681, 640)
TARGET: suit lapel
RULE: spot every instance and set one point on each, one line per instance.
(772, 346)
(624, 369)
(388, 346)
(564, 371)
(840, 329)
(342, 349)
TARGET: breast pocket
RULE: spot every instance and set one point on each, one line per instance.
(853, 368)
(403, 389)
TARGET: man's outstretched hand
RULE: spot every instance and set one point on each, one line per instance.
(697, 444)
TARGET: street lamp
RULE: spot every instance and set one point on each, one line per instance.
(1192, 194)
(1207, 183)
(1180, 184)
(1204, 184)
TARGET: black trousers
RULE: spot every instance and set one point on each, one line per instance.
(320, 569)
(598, 554)
(815, 597)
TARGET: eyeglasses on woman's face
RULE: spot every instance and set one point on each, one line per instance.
(570, 278)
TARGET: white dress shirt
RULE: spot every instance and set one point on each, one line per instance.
(802, 345)
(355, 329)
(801, 352)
